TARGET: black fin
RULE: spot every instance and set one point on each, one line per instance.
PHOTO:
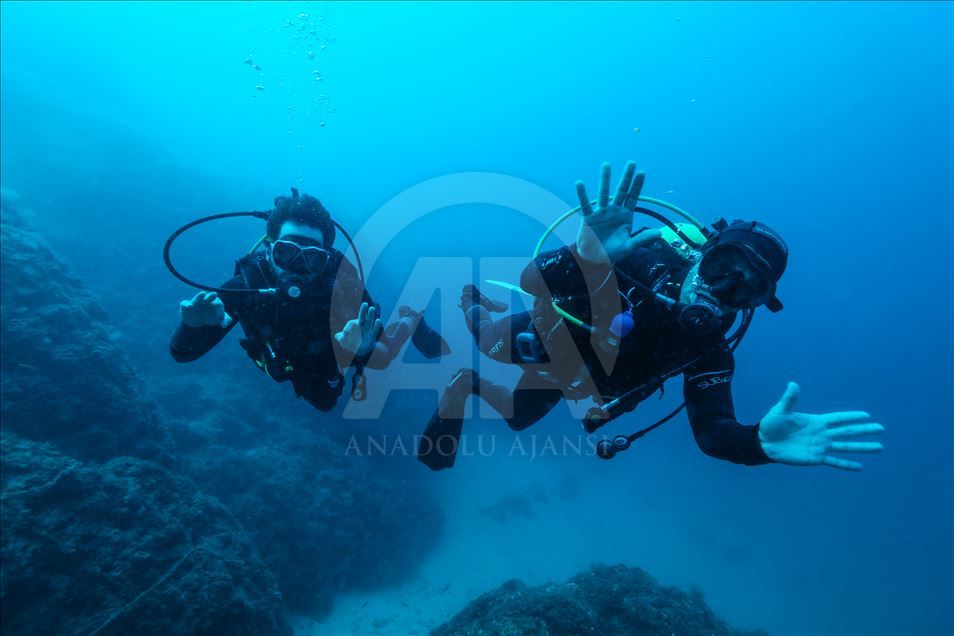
(430, 343)
(438, 447)
(425, 339)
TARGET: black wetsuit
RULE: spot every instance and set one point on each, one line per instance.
(656, 348)
(299, 332)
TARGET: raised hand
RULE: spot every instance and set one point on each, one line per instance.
(360, 334)
(204, 310)
(801, 439)
(609, 227)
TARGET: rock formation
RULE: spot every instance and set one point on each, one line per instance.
(610, 601)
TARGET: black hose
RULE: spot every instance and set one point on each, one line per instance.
(672, 226)
(632, 437)
(357, 257)
(189, 226)
(733, 342)
(228, 215)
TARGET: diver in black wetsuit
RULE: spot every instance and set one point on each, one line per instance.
(618, 314)
(316, 320)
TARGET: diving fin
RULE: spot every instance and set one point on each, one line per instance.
(425, 339)
(438, 447)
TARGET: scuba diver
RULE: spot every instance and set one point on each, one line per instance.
(303, 306)
(618, 313)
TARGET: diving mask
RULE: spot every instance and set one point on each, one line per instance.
(290, 254)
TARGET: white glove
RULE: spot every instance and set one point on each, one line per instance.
(360, 334)
(204, 310)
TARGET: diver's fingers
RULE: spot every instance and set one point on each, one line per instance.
(603, 195)
(340, 337)
(856, 447)
(363, 313)
(843, 464)
(350, 329)
(855, 430)
(632, 199)
(845, 417)
(789, 399)
(376, 331)
(372, 316)
(207, 298)
(624, 184)
(586, 208)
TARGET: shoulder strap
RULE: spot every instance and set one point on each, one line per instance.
(253, 268)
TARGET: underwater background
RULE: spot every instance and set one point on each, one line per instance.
(831, 122)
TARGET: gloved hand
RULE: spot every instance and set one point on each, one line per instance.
(801, 439)
(610, 226)
(360, 334)
(204, 310)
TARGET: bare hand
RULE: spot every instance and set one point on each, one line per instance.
(802, 439)
(609, 227)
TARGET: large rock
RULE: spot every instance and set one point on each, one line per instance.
(610, 601)
(322, 521)
(62, 378)
(123, 548)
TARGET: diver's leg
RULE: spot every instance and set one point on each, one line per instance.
(496, 339)
(477, 309)
(527, 404)
(397, 333)
(533, 398)
(412, 325)
(438, 446)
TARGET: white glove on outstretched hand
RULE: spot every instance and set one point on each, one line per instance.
(802, 439)
(360, 334)
(204, 310)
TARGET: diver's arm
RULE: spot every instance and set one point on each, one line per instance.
(562, 272)
(708, 395)
(355, 325)
(191, 343)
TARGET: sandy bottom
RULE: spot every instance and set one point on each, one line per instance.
(563, 525)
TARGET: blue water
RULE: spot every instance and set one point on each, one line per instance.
(832, 122)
